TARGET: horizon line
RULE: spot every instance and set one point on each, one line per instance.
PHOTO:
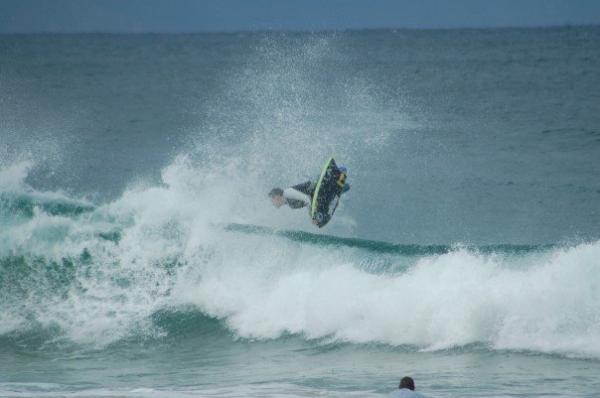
(313, 31)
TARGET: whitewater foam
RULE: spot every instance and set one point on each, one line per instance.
(172, 254)
(443, 301)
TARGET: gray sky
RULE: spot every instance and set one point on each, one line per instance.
(27, 16)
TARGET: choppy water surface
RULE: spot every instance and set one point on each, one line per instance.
(139, 255)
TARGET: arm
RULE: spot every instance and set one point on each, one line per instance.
(291, 193)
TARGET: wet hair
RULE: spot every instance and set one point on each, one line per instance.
(407, 382)
(276, 192)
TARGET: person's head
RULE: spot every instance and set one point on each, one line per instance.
(407, 382)
(276, 196)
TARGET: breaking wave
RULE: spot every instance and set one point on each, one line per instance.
(167, 260)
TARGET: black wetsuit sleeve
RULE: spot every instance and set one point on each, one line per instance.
(306, 187)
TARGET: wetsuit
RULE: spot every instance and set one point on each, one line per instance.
(300, 195)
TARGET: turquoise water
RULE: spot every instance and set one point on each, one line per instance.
(139, 255)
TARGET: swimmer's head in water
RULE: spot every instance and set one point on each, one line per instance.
(407, 382)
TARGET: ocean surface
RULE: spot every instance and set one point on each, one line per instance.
(141, 257)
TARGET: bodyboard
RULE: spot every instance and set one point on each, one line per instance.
(327, 193)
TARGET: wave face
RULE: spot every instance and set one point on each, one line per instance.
(96, 275)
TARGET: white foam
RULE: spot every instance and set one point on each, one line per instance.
(265, 286)
(443, 301)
